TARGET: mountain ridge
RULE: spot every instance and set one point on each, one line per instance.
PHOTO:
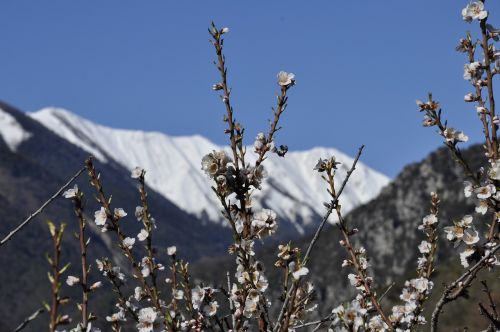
(174, 169)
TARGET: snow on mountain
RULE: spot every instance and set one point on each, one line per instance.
(173, 166)
(11, 131)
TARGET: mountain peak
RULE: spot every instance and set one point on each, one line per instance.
(173, 166)
(11, 131)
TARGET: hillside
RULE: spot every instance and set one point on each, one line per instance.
(174, 171)
(32, 168)
(388, 230)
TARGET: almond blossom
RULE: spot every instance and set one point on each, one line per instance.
(486, 191)
(71, 193)
(120, 213)
(171, 250)
(452, 136)
(147, 317)
(286, 79)
(100, 217)
(71, 280)
(143, 235)
(474, 11)
(128, 242)
(472, 71)
(136, 173)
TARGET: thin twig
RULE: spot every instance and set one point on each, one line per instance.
(451, 292)
(316, 237)
(29, 319)
(493, 305)
(494, 322)
(83, 252)
(360, 272)
(386, 291)
(231, 304)
(37, 212)
(332, 206)
(316, 322)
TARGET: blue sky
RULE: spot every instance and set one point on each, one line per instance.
(147, 65)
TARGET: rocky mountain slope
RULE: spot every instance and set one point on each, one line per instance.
(34, 163)
(174, 169)
(388, 230)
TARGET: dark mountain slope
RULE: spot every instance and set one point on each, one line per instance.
(31, 175)
(388, 229)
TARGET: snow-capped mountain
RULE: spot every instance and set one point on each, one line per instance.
(173, 166)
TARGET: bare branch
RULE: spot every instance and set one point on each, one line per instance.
(455, 289)
(316, 237)
(29, 319)
(37, 212)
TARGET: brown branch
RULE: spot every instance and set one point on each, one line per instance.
(489, 84)
(218, 42)
(360, 272)
(494, 321)
(493, 305)
(29, 319)
(104, 201)
(456, 288)
(316, 322)
(148, 225)
(54, 277)
(83, 252)
(282, 103)
(37, 212)
(316, 237)
(385, 292)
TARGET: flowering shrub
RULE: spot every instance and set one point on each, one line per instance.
(152, 297)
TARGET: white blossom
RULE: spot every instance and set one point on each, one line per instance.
(143, 235)
(251, 303)
(138, 293)
(128, 242)
(468, 189)
(285, 79)
(424, 247)
(303, 271)
(494, 171)
(147, 317)
(474, 11)
(428, 221)
(139, 213)
(100, 264)
(211, 308)
(197, 296)
(178, 294)
(451, 135)
(116, 317)
(238, 224)
(421, 284)
(482, 207)
(96, 285)
(71, 280)
(465, 254)
(71, 193)
(485, 191)
(472, 71)
(264, 222)
(136, 173)
(120, 213)
(145, 271)
(470, 236)
(100, 217)
(214, 163)
(171, 250)
(469, 97)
